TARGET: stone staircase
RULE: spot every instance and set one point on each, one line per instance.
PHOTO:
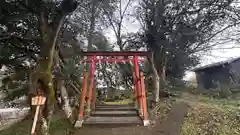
(113, 116)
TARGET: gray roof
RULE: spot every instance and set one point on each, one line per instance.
(226, 62)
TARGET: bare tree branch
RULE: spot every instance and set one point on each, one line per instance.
(199, 45)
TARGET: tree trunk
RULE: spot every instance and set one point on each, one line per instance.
(162, 81)
(156, 84)
(92, 23)
(30, 93)
(163, 75)
(61, 92)
(42, 76)
(66, 102)
(43, 79)
(155, 79)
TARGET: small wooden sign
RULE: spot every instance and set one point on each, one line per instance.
(38, 100)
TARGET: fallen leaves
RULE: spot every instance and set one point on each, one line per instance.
(203, 118)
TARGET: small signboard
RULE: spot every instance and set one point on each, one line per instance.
(37, 101)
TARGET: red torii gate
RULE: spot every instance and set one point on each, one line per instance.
(116, 56)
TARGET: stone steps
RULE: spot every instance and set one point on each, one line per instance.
(112, 121)
(113, 116)
(115, 113)
(115, 108)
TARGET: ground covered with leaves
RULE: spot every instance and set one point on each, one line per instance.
(208, 116)
(205, 116)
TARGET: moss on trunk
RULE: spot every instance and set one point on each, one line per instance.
(43, 73)
(43, 77)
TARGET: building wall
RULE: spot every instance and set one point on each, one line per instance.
(200, 84)
(235, 72)
(213, 78)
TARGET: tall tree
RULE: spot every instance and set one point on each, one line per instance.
(172, 27)
(39, 22)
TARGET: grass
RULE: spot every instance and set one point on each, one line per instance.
(58, 126)
(206, 116)
(210, 116)
(121, 102)
(207, 120)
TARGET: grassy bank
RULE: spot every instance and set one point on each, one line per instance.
(206, 116)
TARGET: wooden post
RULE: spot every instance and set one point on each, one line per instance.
(89, 98)
(93, 98)
(135, 91)
(83, 95)
(138, 84)
(37, 101)
(80, 120)
(144, 101)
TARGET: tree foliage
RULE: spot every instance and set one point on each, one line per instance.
(176, 30)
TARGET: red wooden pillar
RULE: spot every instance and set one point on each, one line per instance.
(138, 84)
(144, 101)
(90, 89)
(83, 95)
(135, 96)
(93, 98)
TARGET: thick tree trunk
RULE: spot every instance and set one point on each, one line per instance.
(42, 80)
(43, 72)
(42, 75)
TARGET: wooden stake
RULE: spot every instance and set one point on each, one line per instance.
(35, 120)
(38, 101)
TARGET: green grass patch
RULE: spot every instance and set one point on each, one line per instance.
(59, 126)
(121, 102)
(227, 104)
(206, 116)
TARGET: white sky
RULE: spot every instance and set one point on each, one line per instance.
(216, 56)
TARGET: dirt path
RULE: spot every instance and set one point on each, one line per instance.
(172, 125)
(115, 131)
